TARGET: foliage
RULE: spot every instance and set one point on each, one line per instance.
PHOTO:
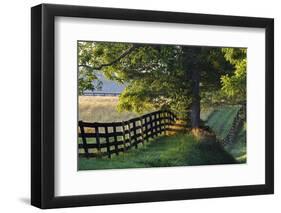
(178, 150)
(160, 76)
(87, 79)
(234, 86)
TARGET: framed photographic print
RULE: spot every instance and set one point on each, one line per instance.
(139, 106)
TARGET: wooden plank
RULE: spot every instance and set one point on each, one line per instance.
(84, 141)
(157, 120)
(87, 124)
(170, 118)
(141, 129)
(135, 133)
(151, 126)
(162, 122)
(101, 135)
(128, 125)
(102, 145)
(145, 125)
(90, 146)
(165, 123)
(154, 126)
(98, 124)
(109, 124)
(116, 143)
(115, 140)
(135, 137)
(124, 136)
(97, 138)
(107, 142)
(132, 129)
(126, 131)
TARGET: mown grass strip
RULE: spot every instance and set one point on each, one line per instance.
(164, 151)
(220, 122)
(222, 119)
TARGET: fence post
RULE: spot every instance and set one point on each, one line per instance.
(124, 136)
(135, 134)
(170, 118)
(107, 142)
(146, 129)
(141, 129)
(115, 140)
(151, 126)
(164, 119)
(97, 139)
(161, 122)
(157, 122)
(173, 118)
(129, 131)
(84, 141)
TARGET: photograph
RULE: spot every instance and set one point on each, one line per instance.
(160, 105)
(134, 105)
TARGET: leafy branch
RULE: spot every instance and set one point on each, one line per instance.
(123, 55)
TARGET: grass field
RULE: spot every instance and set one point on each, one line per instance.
(177, 150)
(101, 109)
(220, 122)
(164, 151)
(239, 149)
(206, 113)
(104, 109)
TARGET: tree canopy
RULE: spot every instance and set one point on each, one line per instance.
(165, 76)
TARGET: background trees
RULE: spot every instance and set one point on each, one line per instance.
(166, 76)
(234, 85)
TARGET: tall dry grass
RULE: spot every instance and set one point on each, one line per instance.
(101, 109)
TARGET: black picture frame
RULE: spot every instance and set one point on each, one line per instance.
(43, 105)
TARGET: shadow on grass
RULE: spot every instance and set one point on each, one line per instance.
(164, 151)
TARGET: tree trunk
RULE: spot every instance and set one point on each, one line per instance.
(195, 106)
(192, 75)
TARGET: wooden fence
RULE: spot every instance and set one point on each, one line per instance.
(106, 139)
(101, 94)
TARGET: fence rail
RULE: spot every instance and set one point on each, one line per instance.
(106, 139)
(101, 94)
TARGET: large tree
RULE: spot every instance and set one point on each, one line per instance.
(157, 76)
(234, 84)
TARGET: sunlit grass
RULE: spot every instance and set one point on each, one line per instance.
(221, 120)
(101, 109)
(176, 150)
(164, 151)
(206, 113)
